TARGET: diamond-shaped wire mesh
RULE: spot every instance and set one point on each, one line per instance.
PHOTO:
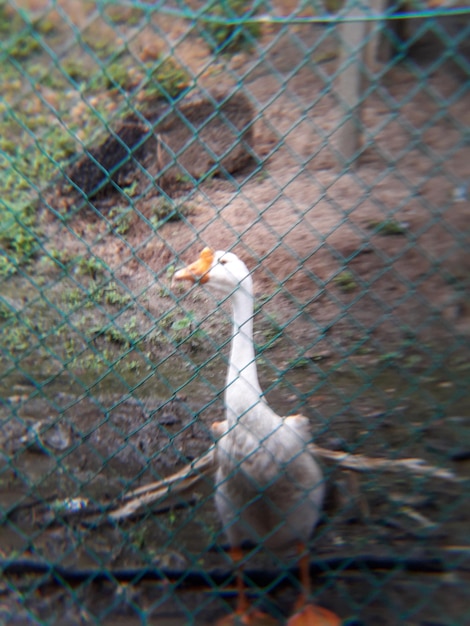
(327, 145)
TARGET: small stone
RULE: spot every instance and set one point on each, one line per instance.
(168, 420)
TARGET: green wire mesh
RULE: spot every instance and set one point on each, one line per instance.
(327, 144)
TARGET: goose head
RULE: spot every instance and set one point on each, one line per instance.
(222, 272)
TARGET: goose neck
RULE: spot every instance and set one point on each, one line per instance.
(242, 378)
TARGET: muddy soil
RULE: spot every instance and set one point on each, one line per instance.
(362, 324)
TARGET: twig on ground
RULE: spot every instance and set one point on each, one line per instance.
(205, 466)
(170, 491)
(361, 463)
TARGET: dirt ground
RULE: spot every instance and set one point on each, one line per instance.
(363, 322)
(300, 221)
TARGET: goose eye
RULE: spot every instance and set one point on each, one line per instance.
(223, 261)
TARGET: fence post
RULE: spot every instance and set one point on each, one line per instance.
(377, 47)
(349, 87)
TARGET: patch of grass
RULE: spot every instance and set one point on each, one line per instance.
(121, 219)
(166, 79)
(17, 33)
(35, 143)
(132, 189)
(387, 227)
(182, 178)
(17, 337)
(225, 37)
(272, 331)
(345, 281)
(134, 366)
(179, 329)
(91, 363)
(299, 363)
(261, 300)
(390, 357)
(75, 69)
(261, 176)
(55, 259)
(102, 43)
(113, 295)
(90, 266)
(177, 324)
(22, 46)
(125, 336)
(325, 57)
(183, 324)
(131, 329)
(17, 236)
(73, 298)
(117, 75)
(5, 312)
(413, 360)
(168, 211)
(124, 15)
(25, 165)
(460, 281)
(138, 538)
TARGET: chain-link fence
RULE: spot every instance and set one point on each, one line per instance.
(327, 146)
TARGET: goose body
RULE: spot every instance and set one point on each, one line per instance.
(269, 488)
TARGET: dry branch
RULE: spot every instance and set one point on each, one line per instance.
(361, 463)
(205, 466)
(176, 484)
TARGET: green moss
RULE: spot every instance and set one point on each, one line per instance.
(18, 34)
(387, 227)
(345, 281)
(23, 46)
(18, 334)
(25, 167)
(121, 220)
(124, 15)
(225, 37)
(168, 211)
(75, 69)
(299, 363)
(17, 235)
(8, 145)
(125, 336)
(5, 312)
(117, 75)
(72, 298)
(45, 26)
(104, 46)
(90, 266)
(112, 294)
(167, 78)
(390, 357)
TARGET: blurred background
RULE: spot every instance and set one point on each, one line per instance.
(328, 145)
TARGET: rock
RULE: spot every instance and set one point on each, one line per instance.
(42, 436)
(168, 419)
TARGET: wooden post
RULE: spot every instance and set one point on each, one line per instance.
(377, 48)
(349, 90)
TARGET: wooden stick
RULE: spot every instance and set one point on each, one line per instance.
(205, 466)
(361, 463)
(175, 484)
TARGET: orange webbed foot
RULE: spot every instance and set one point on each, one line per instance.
(252, 617)
(312, 615)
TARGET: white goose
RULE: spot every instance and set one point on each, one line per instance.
(269, 488)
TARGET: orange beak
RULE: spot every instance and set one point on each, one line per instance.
(199, 270)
